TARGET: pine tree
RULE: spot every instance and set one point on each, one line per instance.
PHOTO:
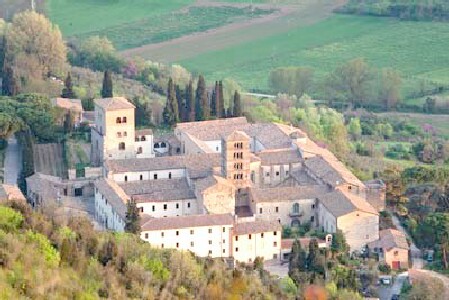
(190, 102)
(237, 105)
(107, 90)
(9, 86)
(213, 101)
(220, 102)
(67, 91)
(132, 224)
(202, 110)
(297, 266)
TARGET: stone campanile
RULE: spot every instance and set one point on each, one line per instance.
(236, 159)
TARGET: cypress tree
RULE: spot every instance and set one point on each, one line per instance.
(106, 91)
(213, 102)
(202, 110)
(181, 106)
(67, 91)
(132, 224)
(220, 102)
(171, 112)
(237, 105)
(9, 86)
(190, 102)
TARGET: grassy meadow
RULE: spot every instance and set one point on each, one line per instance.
(417, 49)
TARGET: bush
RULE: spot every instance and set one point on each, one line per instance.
(384, 268)
(10, 220)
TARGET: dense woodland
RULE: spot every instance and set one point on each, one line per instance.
(414, 10)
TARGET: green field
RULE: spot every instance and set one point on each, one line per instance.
(172, 25)
(417, 49)
(83, 16)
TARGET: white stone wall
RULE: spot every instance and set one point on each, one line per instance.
(215, 146)
(212, 241)
(146, 145)
(359, 228)
(326, 221)
(247, 247)
(106, 215)
(283, 211)
(170, 208)
(149, 175)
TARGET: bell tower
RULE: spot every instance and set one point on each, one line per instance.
(236, 159)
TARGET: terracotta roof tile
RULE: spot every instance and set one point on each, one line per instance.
(287, 193)
(279, 156)
(114, 194)
(341, 203)
(256, 227)
(154, 224)
(390, 238)
(69, 104)
(115, 103)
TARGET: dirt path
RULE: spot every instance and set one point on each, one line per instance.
(287, 16)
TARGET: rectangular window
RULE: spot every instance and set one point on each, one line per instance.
(124, 120)
(277, 173)
(177, 205)
(162, 246)
(224, 241)
(155, 176)
(191, 231)
(275, 244)
(210, 242)
(313, 206)
(210, 252)
(367, 236)
(224, 250)
(260, 210)
(210, 230)
(177, 232)
(192, 244)
(177, 245)
(261, 235)
(312, 219)
(165, 206)
(277, 209)
(249, 236)
(125, 134)
(162, 234)
(275, 256)
(267, 174)
(275, 233)
(236, 249)
(146, 236)
(141, 209)
(224, 229)
(153, 208)
(236, 238)
(188, 205)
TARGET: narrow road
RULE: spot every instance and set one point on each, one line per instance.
(13, 161)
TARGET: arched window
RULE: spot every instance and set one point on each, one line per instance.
(121, 146)
(295, 209)
(118, 120)
(163, 145)
(156, 145)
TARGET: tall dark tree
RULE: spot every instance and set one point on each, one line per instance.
(220, 101)
(180, 97)
(190, 102)
(67, 91)
(171, 112)
(132, 224)
(202, 110)
(297, 263)
(213, 101)
(237, 110)
(9, 86)
(2, 53)
(107, 90)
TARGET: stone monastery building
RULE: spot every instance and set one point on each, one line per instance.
(224, 188)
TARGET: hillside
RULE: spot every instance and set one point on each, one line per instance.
(415, 10)
(40, 255)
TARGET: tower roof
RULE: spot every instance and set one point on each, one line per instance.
(236, 135)
(114, 103)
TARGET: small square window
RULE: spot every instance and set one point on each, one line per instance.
(275, 256)
(210, 252)
(277, 173)
(275, 244)
(275, 233)
(191, 231)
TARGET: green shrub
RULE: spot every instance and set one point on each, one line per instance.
(10, 220)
